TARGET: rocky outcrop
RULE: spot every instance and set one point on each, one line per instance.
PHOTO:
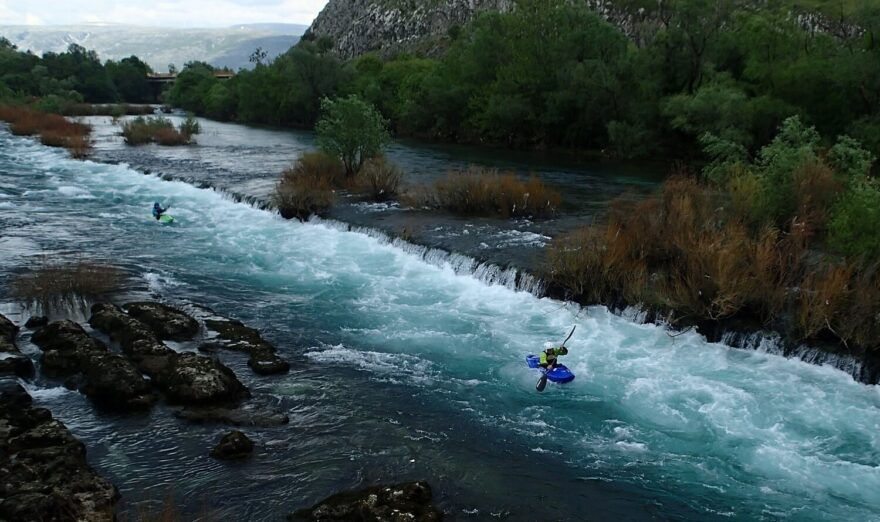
(234, 335)
(44, 471)
(407, 501)
(166, 322)
(12, 361)
(233, 445)
(359, 26)
(195, 379)
(134, 337)
(184, 378)
(110, 380)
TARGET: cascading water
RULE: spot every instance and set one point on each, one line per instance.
(408, 365)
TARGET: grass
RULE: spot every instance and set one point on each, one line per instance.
(691, 251)
(484, 192)
(54, 130)
(379, 179)
(51, 285)
(156, 129)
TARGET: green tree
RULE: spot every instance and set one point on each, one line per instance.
(351, 130)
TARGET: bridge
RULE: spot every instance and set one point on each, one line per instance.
(170, 77)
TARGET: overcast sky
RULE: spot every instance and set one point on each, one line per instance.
(165, 13)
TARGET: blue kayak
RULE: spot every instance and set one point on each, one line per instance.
(560, 373)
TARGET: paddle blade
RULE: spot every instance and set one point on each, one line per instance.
(542, 383)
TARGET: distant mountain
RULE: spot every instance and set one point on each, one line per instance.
(223, 47)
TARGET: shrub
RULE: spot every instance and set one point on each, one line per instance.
(54, 130)
(308, 186)
(351, 130)
(855, 225)
(158, 129)
(190, 126)
(479, 191)
(380, 179)
(628, 140)
(53, 284)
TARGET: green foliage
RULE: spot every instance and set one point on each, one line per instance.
(351, 130)
(850, 159)
(630, 140)
(855, 225)
(190, 126)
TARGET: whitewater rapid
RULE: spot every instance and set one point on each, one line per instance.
(714, 431)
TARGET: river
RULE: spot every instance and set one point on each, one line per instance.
(411, 367)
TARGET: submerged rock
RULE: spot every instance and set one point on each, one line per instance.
(248, 415)
(264, 358)
(409, 501)
(165, 321)
(233, 445)
(110, 380)
(44, 468)
(195, 379)
(36, 322)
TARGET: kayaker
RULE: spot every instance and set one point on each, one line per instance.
(550, 354)
(158, 210)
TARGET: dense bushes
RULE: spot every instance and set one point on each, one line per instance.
(485, 192)
(54, 130)
(158, 129)
(309, 186)
(759, 239)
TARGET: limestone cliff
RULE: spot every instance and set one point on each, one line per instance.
(390, 26)
(422, 26)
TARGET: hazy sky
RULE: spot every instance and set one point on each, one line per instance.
(167, 13)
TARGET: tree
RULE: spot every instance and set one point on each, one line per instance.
(258, 56)
(351, 130)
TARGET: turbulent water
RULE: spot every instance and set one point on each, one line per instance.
(407, 369)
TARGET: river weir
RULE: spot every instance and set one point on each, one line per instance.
(407, 363)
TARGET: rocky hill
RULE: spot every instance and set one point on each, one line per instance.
(390, 26)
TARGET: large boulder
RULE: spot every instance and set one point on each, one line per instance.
(402, 502)
(66, 347)
(195, 379)
(36, 322)
(110, 380)
(43, 467)
(166, 322)
(134, 337)
(233, 445)
(235, 335)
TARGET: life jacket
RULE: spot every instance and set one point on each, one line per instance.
(550, 355)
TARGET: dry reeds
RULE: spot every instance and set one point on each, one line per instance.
(379, 179)
(479, 191)
(53, 285)
(158, 129)
(308, 187)
(54, 130)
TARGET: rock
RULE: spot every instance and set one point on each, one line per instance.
(17, 366)
(134, 337)
(8, 331)
(66, 347)
(233, 445)
(195, 379)
(409, 501)
(266, 362)
(113, 382)
(110, 380)
(244, 416)
(12, 362)
(264, 358)
(166, 322)
(43, 467)
(36, 322)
